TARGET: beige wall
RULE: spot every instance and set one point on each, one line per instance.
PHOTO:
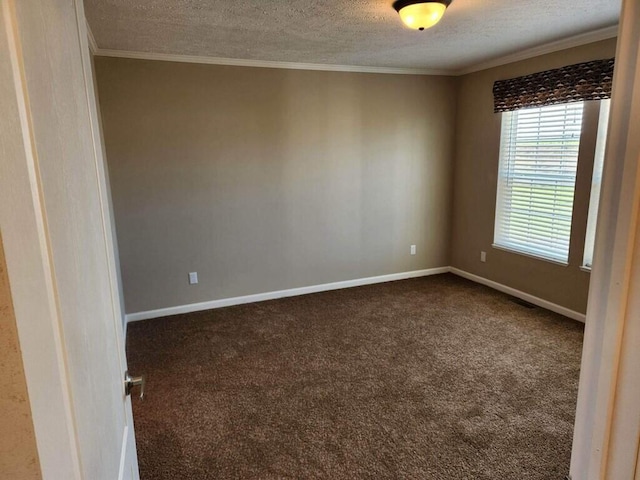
(18, 451)
(267, 179)
(475, 183)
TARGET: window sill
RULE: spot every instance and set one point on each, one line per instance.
(530, 255)
(585, 268)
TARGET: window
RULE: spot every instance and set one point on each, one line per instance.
(538, 164)
(596, 182)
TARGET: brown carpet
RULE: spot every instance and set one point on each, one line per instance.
(431, 378)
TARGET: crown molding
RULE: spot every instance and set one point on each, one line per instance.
(237, 62)
(93, 46)
(570, 42)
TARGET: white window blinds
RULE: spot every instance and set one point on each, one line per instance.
(538, 163)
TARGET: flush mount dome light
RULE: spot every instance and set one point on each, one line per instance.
(421, 14)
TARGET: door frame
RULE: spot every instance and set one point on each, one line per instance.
(607, 429)
(29, 258)
(30, 268)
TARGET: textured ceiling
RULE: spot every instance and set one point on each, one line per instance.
(341, 32)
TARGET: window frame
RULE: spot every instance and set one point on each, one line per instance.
(596, 184)
(507, 142)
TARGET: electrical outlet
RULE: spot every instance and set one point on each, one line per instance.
(483, 257)
(193, 278)
(413, 250)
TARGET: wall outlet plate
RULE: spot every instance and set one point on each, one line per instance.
(193, 278)
(413, 250)
(483, 257)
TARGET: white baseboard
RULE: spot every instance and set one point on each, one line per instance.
(522, 295)
(259, 297)
(325, 287)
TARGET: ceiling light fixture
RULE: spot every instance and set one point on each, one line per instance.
(421, 14)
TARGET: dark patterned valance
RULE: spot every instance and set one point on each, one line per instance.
(574, 83)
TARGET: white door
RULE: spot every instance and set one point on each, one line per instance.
(56, 219)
